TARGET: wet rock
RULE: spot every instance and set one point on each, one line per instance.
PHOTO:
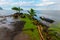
(10, 28)
(5, 34)
(22, 36)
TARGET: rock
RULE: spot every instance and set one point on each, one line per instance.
(47, 19)
(22, 36)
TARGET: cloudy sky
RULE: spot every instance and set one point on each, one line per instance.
(27, 4)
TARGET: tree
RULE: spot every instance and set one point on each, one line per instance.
(18, 9)
(32, 12)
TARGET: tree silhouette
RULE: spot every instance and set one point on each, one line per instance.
(18, 9)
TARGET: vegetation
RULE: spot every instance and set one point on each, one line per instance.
(54, 32)
(32, 13)
(31, 29)
(18, 9)
(17, 14)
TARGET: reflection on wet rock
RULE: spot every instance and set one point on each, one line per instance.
(10, 27)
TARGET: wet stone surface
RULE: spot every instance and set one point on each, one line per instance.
(10, 27)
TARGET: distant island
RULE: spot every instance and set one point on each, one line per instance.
(1, 8)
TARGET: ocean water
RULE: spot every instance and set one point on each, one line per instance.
(52, 14)
(6, 12)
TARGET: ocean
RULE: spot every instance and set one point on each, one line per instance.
(52, 14)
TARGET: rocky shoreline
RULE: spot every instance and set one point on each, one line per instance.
(8, 31)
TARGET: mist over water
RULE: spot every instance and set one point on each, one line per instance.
(52, 14)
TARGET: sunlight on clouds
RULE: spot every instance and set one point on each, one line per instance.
(45, 4)
(20, 3)
(45, 0)
(5, 2)
(23, 3)
(2, 0)
(26, 3)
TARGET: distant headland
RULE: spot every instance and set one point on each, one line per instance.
(1, 8)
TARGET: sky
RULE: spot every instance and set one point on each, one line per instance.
(27, 4)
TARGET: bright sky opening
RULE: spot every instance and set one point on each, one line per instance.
(27, 4)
